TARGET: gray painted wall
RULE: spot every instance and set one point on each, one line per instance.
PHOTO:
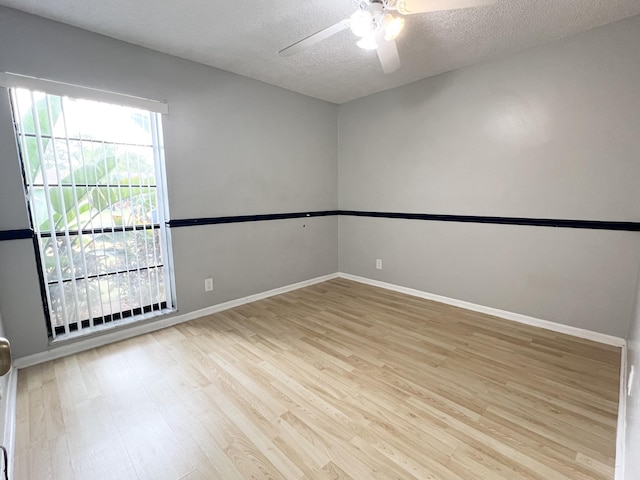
(632, 465)
(551, 132)
(233, 146)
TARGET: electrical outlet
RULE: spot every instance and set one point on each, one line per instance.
(378, 264)
(208, 284)
(630, 381)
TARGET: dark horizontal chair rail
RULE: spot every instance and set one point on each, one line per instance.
(189, 222)
(536, 222)
(16, 234)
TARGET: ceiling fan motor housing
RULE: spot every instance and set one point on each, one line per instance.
(363, 4)
(367, 19)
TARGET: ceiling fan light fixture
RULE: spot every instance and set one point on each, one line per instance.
(361, 23)
(392, 26)
(368, 42)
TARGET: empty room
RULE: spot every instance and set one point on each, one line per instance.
(340, 239)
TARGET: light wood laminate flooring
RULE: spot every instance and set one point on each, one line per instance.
(335, 381)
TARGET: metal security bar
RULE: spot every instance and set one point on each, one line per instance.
(91, 174)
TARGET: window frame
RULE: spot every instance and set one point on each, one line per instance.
(161, 223)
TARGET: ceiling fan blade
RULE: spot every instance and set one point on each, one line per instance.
(313, 39)
(387, 53)
(409, 7)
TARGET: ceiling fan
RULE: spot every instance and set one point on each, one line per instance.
(378, 28)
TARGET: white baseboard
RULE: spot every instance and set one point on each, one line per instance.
(516, 317)
(621, 429)
(140, 329)
(9, 434)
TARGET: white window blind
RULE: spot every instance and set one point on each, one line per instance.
(94, 174)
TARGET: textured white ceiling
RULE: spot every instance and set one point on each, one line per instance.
(245, 36)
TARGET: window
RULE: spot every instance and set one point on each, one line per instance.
(93, 177)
